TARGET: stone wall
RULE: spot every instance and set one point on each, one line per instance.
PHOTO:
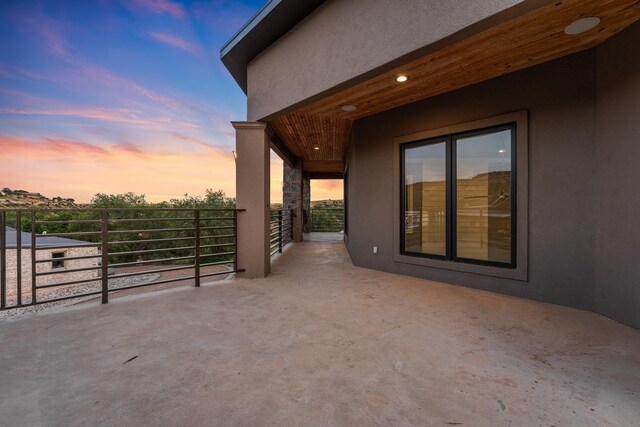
(306, 203)
(12, 267)
(296, 196)
(291, 187)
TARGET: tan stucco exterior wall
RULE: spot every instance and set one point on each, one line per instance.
(344, 39)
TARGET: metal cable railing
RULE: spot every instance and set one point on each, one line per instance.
(50, 255)
(326, 220)
(280, 230)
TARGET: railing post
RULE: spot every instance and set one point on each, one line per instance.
(19, 257)
(3, 260)
(34, 297)
(291, 217)
(104, 236)
(197, 245)
(235, 240)
(280, 230)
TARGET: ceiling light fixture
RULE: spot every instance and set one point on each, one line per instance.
(582, 25)
(502, 151)
(316, 148)
(402, 78)
(349, 108)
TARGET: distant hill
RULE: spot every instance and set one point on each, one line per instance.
(27, 199)
(317, 204)
(327, 204)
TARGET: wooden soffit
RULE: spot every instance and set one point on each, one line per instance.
(530, 39)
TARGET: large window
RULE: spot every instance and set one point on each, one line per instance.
(458, 200)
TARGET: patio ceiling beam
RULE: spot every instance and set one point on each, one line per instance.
(324, 175)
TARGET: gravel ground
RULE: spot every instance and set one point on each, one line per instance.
(116, 283)
(46, 294)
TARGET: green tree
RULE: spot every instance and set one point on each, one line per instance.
(125, 200)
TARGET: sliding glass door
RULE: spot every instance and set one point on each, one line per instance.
(457, 197)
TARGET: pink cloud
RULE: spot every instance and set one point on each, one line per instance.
(51, 31)
(177, 42)
(104, 114)
(129, 149)
(98, 75)
(161, 6)
(11, 71)
(80, 170)
(49, 148)
(74, 146)
(196, 141)
(54, 39)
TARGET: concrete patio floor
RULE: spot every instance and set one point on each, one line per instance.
(319, 342)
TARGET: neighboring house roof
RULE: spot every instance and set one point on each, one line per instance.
(271, 22)
(41, 241)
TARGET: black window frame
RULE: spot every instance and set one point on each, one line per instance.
(57, 263)
(451, 194)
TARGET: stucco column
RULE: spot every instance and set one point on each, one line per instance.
(252, 194)
(292, 196)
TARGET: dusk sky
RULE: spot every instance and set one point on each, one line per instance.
(122, 95)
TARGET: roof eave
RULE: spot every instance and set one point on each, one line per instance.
(275, 19)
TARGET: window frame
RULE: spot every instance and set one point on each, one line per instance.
(513, 127)
(57, 263)
(451, 197)
(444, 139)
(518, 268)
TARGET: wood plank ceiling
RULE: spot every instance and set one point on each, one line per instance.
(530, 39)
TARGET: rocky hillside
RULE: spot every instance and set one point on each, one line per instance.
(26, 199)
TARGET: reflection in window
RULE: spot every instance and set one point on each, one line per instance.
(425, 199)
(465, 181)
(483, 197)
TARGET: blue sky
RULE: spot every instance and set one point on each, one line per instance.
(118, 95)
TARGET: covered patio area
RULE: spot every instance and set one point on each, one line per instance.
(319, 342)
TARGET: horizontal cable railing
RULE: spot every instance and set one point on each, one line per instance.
(326, 220)
(280, 230)
(51, 255)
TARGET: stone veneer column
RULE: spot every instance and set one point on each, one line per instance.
(252, 194)
(292, 181)
(306, 202)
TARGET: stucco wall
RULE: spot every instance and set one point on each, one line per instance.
(617, 291)
(60, 275)
(344, 39)
(560, 97)
(584, 146)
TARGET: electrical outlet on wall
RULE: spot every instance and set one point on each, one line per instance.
(375, 249)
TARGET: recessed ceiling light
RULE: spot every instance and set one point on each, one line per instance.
(348, 108)
(582, 25)
(316, 148)
(402, 78)
(502, 151)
